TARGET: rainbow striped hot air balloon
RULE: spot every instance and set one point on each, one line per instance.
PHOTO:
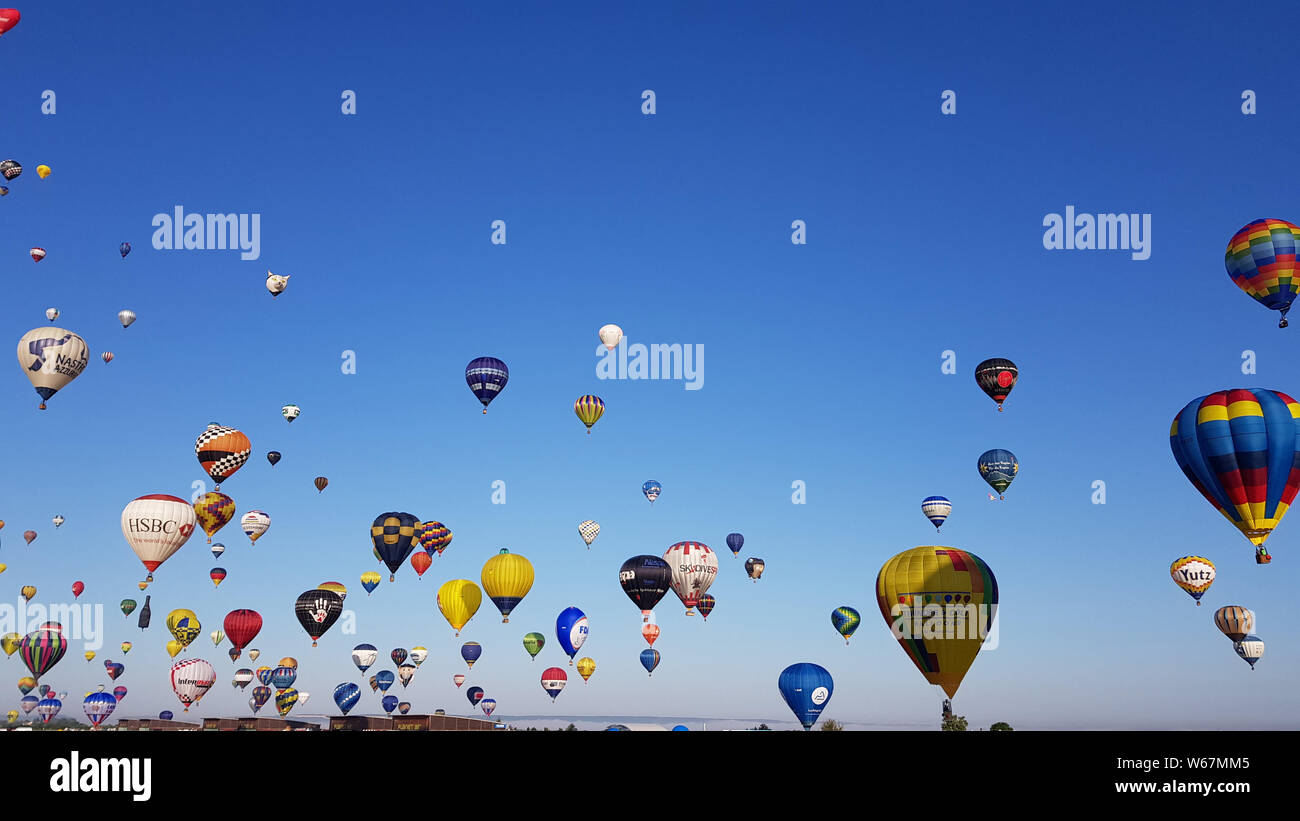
(42, 649)
(1240, 448)
(1261, 259)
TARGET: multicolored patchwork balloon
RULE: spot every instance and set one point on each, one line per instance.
(1261, 259)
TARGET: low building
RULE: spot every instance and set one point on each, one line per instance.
(444, 722)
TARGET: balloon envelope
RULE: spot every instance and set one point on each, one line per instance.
(486, 377)
(807, 689)
(1261, 259)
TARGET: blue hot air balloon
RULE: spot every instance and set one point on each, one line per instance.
(165, 715)
(475, 695)
(649, 660)
(346, 696)
(470, 652)
(385, 679)
(124, 249)
(486, 377)
(29, 703)
(681, 728)
(99, 706)
(571, 629)
(998, 467)
(735, 541)
(261, 694)
(936, 509)
(370, 584)
(807, 689)
(393, 536)
(390, 704)
(651, 490)
(282, 678)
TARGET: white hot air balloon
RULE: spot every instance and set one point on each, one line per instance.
(588, 530)
(156, 526)
(51, 358)
(419, 654)
(302, 698)
(405, 673)
(276, 283)
(242, 678)
(192, 678)
(58, 521)
(52, 314)
(290, 413)
(1251, 649)
(255, 523)
(694, 568)
(217, 636)
(611, 335)
(126, 317)
(363, 657)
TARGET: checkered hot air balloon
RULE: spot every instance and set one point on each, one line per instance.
(1261, 259)
(221, 451)
(393, 536)
(588, 530)
(213, 511)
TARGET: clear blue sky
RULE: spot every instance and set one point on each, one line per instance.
(822, 361)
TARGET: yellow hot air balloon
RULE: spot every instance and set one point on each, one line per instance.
(507, 578)
(43, 171)
(334, 587)
(290, 662)
(370, 580)
(458, 600)
(10, 641)
(1193, 574)
(126, 646)
(28, 592)
(214, 511)
(12, 715)
(940, 603)
(586, 666)
(174, 647)
(3, 567)
(589, 408)
(184, 625)
(142, 585)
(90, 655)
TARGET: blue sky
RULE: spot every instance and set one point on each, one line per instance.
(822, 361)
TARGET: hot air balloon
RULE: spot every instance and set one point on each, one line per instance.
(174, 647)
(936, 509)
(393, 535)
(735, 541)
(321, 483)
(27, 592)
(217, 637)
(260, 696)
(588, 530)
(998, 467)
(10, 169)
(243, 677)
(694, 568)
(184, 626)
(107, 356)
(488, 706)
(533, 643)
(253, 654)
(433, 536)
(419, 654)
(846, 621)
(923, 584)
(1233, 621)
(421, 562)
(807, 689)
(221, 452)
(458, 600)
(346, 696)
(58, 521)
(119, 692)
(51, 358)
(649, 660)
(90, 655)
(41, 649)
(263, 675)
(651, 489)
(398, 656)
(99, 706)
(48, 708)
(43, 171)
(156, 526)
(213, 511)
(255, 523)
(124, 249)
(275, 283)
(273, 457)
(1193, 574)
(9, 642)
(589, 409)
(28, 704)
(290, 413)
(610, 336)
(1238, 447)
(336, 587)
(645, 580)
(470, 652)
(405, 673)
(384, 679)
(389, 704)
(317, 610)
(650, 632)
(126, 317)
(11, 716)
(370, 580)
(283, 677)
(242, 626)
(364, 655)
(38, 254)
(165, 715)
(217, 550)
(218, 575)
(233, 653)
(191, 679)
(571, 629)
(586, 666)
(26, 684)
(1261, 259)
(507, 577)
(754, 567)
(706, 604)
(553, 681)
(29, 536)
(1250, 648)
(486, 377)
(77, 589)
(996, 377)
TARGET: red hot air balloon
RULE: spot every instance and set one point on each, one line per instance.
(241, 626)
(421, 562)
(29, 536)
(77, 588)
(8, 19)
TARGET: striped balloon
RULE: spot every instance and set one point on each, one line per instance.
(41, 649)
(936, 509)
(487, 377)
(1261, 259)
(99, 706)
(1241, 449)
(284, 700)
(589, 409)
(1234, 621)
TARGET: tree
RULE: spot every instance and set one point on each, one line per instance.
(570, 728)
(954, 724)
(830, 725)
(761, 727)
(1001, 726)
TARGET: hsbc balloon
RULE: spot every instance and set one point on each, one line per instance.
(156, 526)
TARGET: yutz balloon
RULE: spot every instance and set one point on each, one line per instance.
(51, 358)
(1193, 574)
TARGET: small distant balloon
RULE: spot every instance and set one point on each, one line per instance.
(273, 457)
(610, 336)
(124, 249)
(126, 317)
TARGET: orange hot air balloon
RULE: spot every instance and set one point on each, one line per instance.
(321, 483)
(29, 536)
(421, 561)
(222, 451)
(650, 632)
